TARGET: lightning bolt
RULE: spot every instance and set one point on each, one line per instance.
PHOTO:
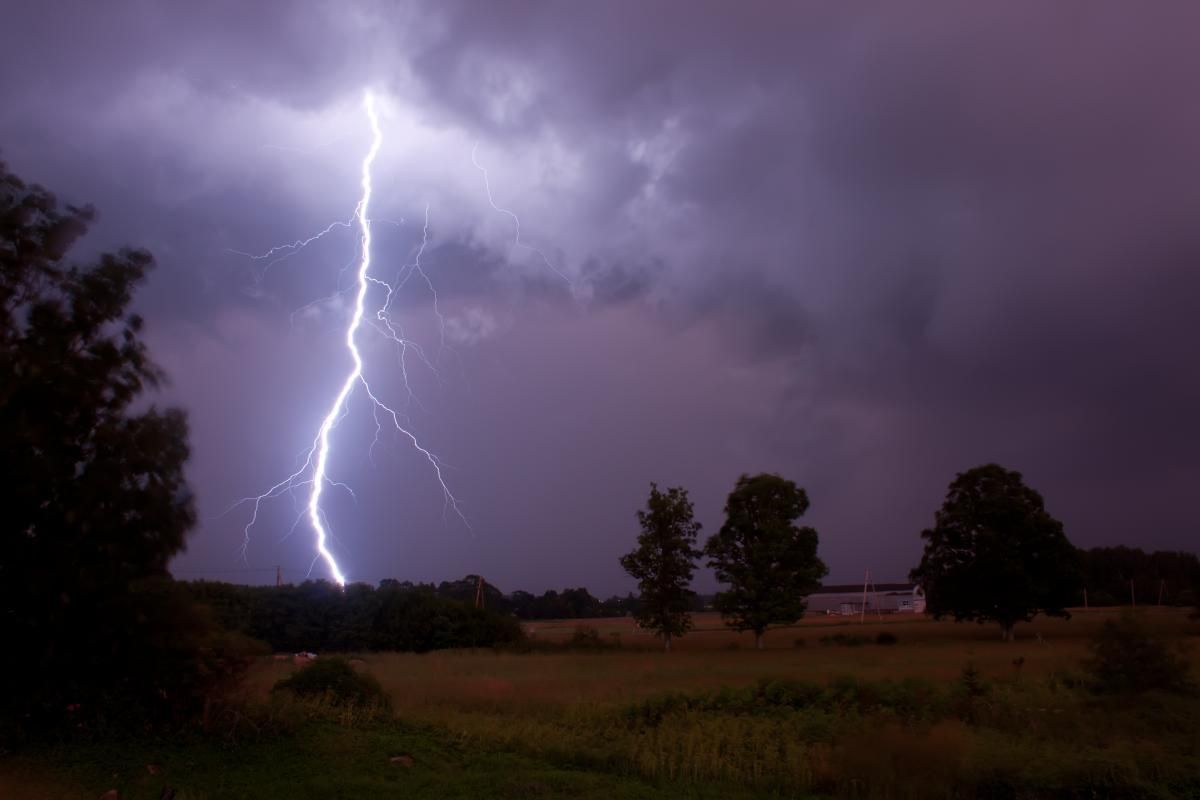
(487, 185)
(313, 471)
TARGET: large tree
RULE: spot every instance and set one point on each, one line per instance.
(995, 554)
(663, 562)
(95, 501)
(769, 562)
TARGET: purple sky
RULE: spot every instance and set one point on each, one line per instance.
(865, 245)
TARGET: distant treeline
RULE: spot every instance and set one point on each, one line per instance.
(576, 603)
(418, 617)
(319, 616)
(1169, 576)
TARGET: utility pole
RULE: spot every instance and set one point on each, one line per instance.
(1162, 582)
(479, 591)
(1085, 605)
(1132, 596)
(863, 613)
(278, 575)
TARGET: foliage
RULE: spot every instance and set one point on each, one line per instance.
(770, 564)
(336, 679)
(995, 554)
(576, 603)
(95, 499)
(1125, 659)
(663, 562)
(845, 639)
(322, 617)
(1165, 575)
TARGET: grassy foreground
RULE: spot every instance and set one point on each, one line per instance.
(712, 719)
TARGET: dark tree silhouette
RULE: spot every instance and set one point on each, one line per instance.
(995, 554)
(770, 563)
(663, 563)
(95, 501)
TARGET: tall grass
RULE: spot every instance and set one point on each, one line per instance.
(904, 721)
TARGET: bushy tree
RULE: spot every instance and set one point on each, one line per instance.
(663, 562)
(995, 554)
(95, 502)
(769, 562)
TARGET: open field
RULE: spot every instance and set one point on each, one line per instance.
(713, 718)
(714, 656)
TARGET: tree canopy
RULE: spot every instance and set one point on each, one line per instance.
(769, 562)
(995, 554)
(664, 561)
(95, 497)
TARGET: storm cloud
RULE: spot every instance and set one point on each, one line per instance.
(867, 245)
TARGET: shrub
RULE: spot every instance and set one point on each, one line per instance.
(337, 680)
(586, 637)
(1127, 660)
(971, 682)
(845, 639)
(885, 637)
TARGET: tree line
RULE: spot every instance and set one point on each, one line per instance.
(320, 616)
(1118, 576)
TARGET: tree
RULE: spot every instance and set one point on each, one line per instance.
(95, 498)
(995, 554)
(663, 562)
(770, 564)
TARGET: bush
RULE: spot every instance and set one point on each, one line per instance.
(845, 639)
(586, 637)
(336, 680)
(885, 637)
(1127, 660)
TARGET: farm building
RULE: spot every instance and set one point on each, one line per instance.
(885, 598)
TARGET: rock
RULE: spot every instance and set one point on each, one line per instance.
(401, 761)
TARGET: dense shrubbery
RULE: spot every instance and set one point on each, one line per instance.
(1125, 659)
(335, 679)
(321, 617)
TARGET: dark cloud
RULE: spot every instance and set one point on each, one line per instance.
(867, 246)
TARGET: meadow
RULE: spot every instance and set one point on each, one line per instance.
(597, 709)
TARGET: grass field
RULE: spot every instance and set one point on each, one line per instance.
(713, 718)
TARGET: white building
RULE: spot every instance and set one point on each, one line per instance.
(885, 598)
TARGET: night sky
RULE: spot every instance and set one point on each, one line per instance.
(865, 245)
